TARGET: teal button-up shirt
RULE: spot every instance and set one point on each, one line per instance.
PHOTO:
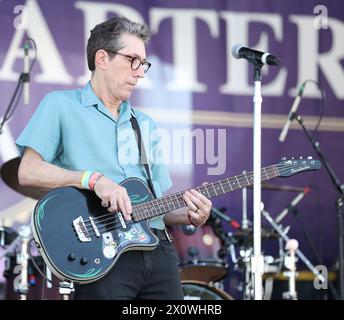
(74, 130)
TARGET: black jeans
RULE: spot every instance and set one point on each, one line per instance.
(141, 275)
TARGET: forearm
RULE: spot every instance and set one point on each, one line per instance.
(36, 172)
(176, 217)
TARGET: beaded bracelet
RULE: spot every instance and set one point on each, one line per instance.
(94, 178)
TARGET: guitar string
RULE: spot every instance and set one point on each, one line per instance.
(115, 220)
(167, 201)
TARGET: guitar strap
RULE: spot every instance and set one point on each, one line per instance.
(142, 151)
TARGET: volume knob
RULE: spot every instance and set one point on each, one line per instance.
(71, 257)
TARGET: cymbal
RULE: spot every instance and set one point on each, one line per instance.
(275, 187)
(9, 174)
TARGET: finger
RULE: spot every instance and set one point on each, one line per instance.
(105, 203)
(123, 209)
(192, 214)
(195, 199)
(127, 203)
(189, 202)
(200, 196)
(195, 219)
(113, 205)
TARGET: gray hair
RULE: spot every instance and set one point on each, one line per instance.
(107, 36)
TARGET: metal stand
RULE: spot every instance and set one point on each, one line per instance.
(65, 289)
(290, 263)
(257, 261)
(22, 286)
(297, 251)
(339, 203)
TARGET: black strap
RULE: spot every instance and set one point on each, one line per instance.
(142, 150)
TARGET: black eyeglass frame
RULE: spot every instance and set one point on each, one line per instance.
(146, 65)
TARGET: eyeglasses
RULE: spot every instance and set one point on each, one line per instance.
(135, 61)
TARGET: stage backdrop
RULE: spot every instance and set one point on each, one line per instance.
(199, 94)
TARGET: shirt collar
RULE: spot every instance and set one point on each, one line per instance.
(89, 99)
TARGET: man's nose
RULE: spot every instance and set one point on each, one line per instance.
(140, 72)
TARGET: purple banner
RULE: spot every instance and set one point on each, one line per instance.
(199, 94)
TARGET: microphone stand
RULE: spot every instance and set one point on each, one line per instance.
(257, 260)
(339, 203)
(23, 78)
(16, 96)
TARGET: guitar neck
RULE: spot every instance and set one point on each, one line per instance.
(175, 201)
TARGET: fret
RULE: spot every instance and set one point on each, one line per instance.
(170, 204)
(275, 171)
(236, 177)
(229, 183)
(248, 182)
(177, 202)
(223, 190)
(206, 189)
(218, 189)
(234, 184)
(214, 188)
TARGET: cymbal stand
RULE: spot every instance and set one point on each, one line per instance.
(22, 286)
(65, 289)
(290, 263)
(279, 229)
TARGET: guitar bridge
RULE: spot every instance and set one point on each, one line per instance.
(81, 230)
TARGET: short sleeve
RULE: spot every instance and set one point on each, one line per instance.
(43, 132)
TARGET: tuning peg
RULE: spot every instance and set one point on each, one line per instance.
(300, 158)
(309, 157)
(292, 158)
(284, 158)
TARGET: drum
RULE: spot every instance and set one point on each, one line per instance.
(37, 285)
(197, 290)
(198, 250)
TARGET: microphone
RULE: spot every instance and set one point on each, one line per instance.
(215, 212)
(251, 55)
(26, 73)
(292, 204)
(293, 109)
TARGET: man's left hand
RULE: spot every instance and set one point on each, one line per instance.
(198, 207)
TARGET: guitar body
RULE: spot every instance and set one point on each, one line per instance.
(64, 225)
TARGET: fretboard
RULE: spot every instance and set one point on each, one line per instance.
(175, 201)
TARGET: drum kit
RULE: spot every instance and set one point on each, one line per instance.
(203, 254)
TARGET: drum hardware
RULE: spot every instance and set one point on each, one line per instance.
(7, 236)
(199, 254)
(27, 277)
(65, 289)
(198, 290)
(282, 233)
(290, 264)
(21, 282)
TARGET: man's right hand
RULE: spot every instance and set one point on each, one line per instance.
(113, 196)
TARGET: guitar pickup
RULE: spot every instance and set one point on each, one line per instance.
(81, 230)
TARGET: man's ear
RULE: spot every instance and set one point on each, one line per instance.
(101, 59)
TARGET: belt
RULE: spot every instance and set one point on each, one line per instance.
(163, 234)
